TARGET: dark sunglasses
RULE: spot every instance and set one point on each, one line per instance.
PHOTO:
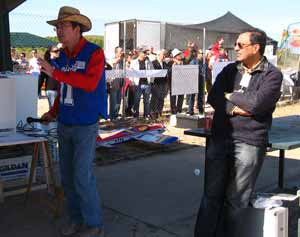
(241, 45)
(54, 51)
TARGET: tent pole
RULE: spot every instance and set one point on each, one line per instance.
(204, 68)
(5, 56)
(124, 71)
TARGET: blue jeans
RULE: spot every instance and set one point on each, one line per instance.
(114, 103)
(77, 146)
(231, 170)
(144, 90)
(51, 95)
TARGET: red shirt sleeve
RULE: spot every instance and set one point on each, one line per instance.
(90, 79)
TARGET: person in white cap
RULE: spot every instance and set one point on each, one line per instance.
(143, 86)
(176, 101)
(82, 99)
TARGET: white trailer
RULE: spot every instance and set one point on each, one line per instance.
(138, 33)
(111, 38)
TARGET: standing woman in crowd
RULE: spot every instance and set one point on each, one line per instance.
(51, 85)
(176, 100)
(159, 87)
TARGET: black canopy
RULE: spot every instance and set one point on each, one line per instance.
(227, 26)
(8, 5)
(5, 7)
(227, 23)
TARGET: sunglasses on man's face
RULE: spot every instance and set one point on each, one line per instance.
(241, 45)
(54, 51)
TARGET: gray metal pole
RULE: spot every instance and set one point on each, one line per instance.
(204, 71)
(5, 56)
(125, 35)
(124, 71)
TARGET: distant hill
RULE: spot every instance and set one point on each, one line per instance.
(27, 40)
(96, 39)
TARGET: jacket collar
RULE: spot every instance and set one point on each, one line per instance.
(261, 67)
(77, 48)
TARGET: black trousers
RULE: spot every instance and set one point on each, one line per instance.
(159, 92)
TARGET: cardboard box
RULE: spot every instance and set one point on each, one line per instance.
(7, 106)
(257, 222)
(189, 121)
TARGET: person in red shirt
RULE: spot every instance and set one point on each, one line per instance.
(82, 99)
(218, 44)
(188, 52)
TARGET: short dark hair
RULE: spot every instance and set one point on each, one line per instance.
(219, 38)
(118, 47)
(259, 37)
(74, 24)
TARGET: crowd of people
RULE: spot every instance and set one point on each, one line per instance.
(21, 63)
(30, 66)
(155, 90)
(152, 90)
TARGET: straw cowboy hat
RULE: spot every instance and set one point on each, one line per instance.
(72, 14)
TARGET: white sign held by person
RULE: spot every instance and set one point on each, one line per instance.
(185, 79)
(146, 73)
(110, 74)
(217, 67)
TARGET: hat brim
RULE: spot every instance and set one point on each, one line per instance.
(80, 19)
(177, 53)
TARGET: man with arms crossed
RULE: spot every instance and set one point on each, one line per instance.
(244, 97)
(82, 99)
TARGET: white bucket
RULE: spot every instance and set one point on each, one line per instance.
(173, 120)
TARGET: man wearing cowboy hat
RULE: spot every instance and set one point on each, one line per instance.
(82, 99)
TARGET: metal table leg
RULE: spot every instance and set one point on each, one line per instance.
(281, 169)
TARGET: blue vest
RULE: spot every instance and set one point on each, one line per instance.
(77, 106)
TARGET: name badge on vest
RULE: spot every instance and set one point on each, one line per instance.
(80, 64)
(245, 80)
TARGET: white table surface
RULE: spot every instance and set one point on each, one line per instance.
(19, 138)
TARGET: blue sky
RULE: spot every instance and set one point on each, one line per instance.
(270, 15)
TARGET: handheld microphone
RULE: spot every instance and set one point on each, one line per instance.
(35, 120)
